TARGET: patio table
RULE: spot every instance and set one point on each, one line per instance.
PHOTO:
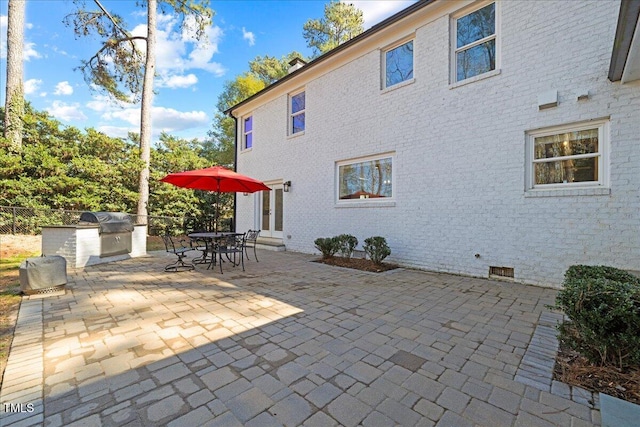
(210, 238)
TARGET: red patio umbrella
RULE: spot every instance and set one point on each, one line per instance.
(218, 179)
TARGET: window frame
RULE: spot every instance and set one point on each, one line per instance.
(292, 115)
(455, 17)
(602, 126)
(246, 133)
(364, 159)
(390, 48)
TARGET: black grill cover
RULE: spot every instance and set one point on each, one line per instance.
(109, 222)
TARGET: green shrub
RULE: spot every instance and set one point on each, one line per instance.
(328, 246)
(346, 244)
(376, 248)
(603, 307)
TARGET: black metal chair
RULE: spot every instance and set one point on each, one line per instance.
(201, 245)
(179, 251)
(228, 246)
(249, 240)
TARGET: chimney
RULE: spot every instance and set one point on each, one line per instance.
(295, 64)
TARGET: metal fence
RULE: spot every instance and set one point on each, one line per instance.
(17, 220)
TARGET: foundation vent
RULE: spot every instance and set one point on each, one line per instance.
(503, 272)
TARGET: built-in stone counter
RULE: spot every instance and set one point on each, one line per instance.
(80, 244)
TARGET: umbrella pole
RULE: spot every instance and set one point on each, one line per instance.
(217, 218)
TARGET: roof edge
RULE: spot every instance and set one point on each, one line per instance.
(627, 22)
(364, 35)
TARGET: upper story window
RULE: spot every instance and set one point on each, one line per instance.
(247, 141)
(475, 42)
(568, 156)
(366, 178)
(398, 64)
(297, 113)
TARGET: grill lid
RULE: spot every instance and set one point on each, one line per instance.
(109, 222)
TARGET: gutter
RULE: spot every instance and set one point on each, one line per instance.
(346, 45)
(627, 22)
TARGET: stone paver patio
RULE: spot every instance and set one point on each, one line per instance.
(288, 342)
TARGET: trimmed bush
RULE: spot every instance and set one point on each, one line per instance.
(346, 244)
(328, 246)
(603, 307)
(376, 248)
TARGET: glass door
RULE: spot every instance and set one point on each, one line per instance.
(271, 219)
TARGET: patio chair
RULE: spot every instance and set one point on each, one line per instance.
(229, 246)
(249, 240)
(201, 245)
(180, 251)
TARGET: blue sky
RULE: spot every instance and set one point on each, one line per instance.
(190, 77)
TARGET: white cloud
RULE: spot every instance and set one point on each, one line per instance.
(130, 115)
(177, 81)
(169, 120)
(180, 52)
(67, 112)
(31, 86)
(164, 119)
(3, 39)
(248, 35)
(375, 11)
(63, 88)
(28, 50)
(116, 131)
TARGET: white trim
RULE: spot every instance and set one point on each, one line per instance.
(243, 146)
(290, 114)
(383, 62)
(543, 190)
(369, 202)
(453, 49)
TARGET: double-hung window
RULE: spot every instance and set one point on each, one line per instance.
(398, 64)
(568, 156)
(296, 113)
(368, 178)
(247, 140)
(475, 43)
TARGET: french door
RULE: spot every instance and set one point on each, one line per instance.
(271, 211)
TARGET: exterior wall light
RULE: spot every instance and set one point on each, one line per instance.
(286, 186)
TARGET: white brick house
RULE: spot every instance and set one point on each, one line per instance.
(469, 134)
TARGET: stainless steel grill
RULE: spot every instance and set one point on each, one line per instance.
(115, 231)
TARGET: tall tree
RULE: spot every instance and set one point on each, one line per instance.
(270, 69)
(14, 99)
(341, 22)
(123, 72)
(145, 110)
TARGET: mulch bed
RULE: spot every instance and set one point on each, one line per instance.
(573, 369)
(361, 264)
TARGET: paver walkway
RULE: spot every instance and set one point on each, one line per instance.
(288, 342)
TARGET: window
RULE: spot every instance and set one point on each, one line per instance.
(365, 179)
(398, 64)
(569, 156)
(475, 43)
(297, 108)
(248, 133)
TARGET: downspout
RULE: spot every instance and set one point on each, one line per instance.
(235, 165)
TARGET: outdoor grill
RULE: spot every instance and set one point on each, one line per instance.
(115, 231)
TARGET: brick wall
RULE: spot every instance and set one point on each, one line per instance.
(459, 165)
